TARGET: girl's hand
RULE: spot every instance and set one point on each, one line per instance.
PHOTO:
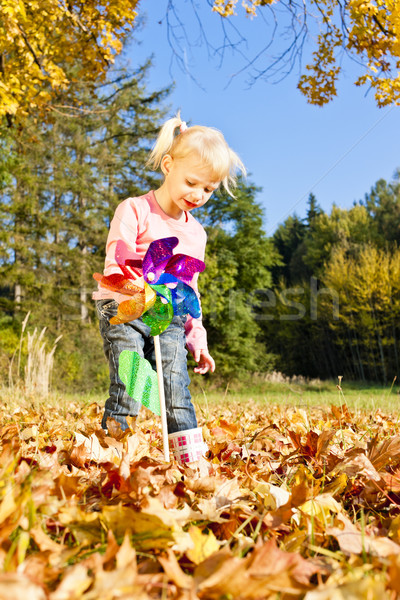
(205, 362)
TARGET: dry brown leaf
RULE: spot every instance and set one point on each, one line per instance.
(44, 541)
(358, 465)
(204, 484)
(14, 586)
(352, 541)
(323, 441)
(95, 452)
(174, 571)
(79, 455)
(265, 571)
(392, 481)
(74, 583)
(369, 588)
(381, 454)
(114, 429)
(223, 430)
(63, 501)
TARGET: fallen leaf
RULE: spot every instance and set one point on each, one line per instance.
(358, 465)
(204, 544)
(370, 588)
(74, 583)
(352, 541)
(381, 453)
(152, 527)
(14, 586)
(95, 452)
(44, 541)
(174, 572)
(264, 571)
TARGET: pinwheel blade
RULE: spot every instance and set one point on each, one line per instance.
(129, 310)
(132, 309)
(157, 256)
(117, 283)
(159, 316)
(185, 301)
(157, 302)
(128, 261)
(184, 267)
(163, 291)
(140, 380)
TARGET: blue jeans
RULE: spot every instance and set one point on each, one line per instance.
(135, 335)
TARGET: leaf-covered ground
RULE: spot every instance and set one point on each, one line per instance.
(289, 503)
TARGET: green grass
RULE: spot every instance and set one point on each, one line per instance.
(357, 396)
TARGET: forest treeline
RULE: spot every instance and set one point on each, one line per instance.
(320, 297)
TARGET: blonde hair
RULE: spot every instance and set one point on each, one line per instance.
(207, 142)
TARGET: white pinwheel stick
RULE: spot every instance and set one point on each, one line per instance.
(163, 411)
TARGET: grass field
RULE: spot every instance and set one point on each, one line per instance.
(316, 393)
(365, 397)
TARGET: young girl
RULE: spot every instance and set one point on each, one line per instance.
(195, 161)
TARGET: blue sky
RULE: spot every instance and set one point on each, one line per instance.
(289, 147)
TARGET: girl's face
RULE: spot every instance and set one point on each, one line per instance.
(189, 183)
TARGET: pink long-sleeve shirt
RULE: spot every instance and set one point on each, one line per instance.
(138, 222)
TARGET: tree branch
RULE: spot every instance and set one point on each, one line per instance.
(71, 14)
(385, 31)
(30, 48)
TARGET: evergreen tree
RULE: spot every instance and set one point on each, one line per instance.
(288, 240)
(65, 179)
(239, 258)
(383, 205)
(341, 228)
(58, 204)
(313, 210)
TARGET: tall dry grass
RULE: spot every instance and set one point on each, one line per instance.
(35, 377)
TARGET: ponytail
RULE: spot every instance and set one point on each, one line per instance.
(165, 140)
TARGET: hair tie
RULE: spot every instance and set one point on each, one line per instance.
(182, 126)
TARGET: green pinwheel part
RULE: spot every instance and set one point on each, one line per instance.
(140, 380)
(159, 316)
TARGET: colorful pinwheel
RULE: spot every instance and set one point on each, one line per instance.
(163, 291)
(166, 291)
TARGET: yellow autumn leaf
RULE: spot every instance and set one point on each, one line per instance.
(75, 582)
(366, 30)
(7, 506)
(321, 507)
(41, 39)
(337, 486)
(368, 588)
(152, 527)
(273, 496)
(204, 544)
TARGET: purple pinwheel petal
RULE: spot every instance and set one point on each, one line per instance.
(157, 256)
(126, 258)
(183, 267)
